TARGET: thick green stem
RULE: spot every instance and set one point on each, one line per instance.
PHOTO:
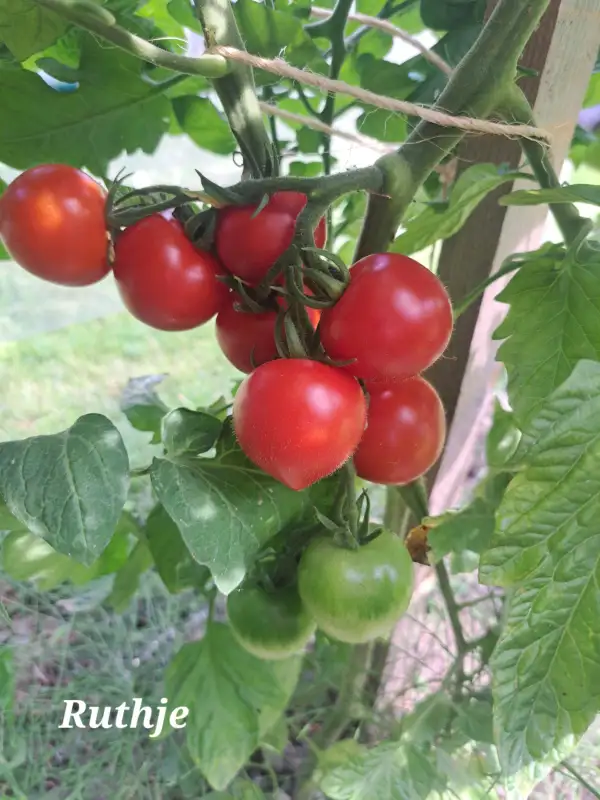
(516, 108)
(476, 87)
(237, 91)
(208, 66)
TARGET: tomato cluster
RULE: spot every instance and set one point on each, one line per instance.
(298, 419)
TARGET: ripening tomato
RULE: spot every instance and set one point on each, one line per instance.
(405, 433)
(394, 319)
(163, 279)
(248, 245)
(248, 339)
(270, 625)
(52, 224)
(299, 420)
(356, 595)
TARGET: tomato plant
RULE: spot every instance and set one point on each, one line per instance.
(356, 594)
(405, 433)
(249, 241)
(52, 224)
(394, 319)
(163, 279)
(299, 420)
(249, 517)
(270, 625)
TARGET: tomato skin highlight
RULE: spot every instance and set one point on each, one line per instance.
(405, 434)
(248, 247)
(248, 339)
(299, 420)
(395, 319)
(270, 625)
(163, 280)
(52, 225)
(358, 595)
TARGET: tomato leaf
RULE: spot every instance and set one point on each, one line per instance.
(472, 527)
(575, 193)
(445, 15)
(26, 557)
(546, 666)
(127, 579)
(142, 406)
(553, 322)
(177, 569)
(186, 432)
(391, 770)
(225, 507)
(469, 190)
(68, 488)
(502, 439)
(267, 33)
(239, 790)
(228, 692)
(114, 110)
(198, 117)
(27, 28)
(183, 13)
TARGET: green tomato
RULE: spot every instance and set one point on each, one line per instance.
(270, 625)
(356, 595)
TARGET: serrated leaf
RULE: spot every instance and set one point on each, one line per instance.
(68, 488)
(186, 432)
(552, 323)
(475, 720)
(432, 225)
(391, 770)
(198, 117)
(227, 690)
(575, 193)
(142, 406)
(127, 579)
(472, 527)
(270, 33)
(27, 28)
(546, 548)
(174, 564)
(114, 110)
(225, 507)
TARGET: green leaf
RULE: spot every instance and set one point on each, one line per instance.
(546, 548)
(392, 771)
(114, 110)
(26, 28)
(225, 507)
(142, 406)
(7, 679)
(445, 15)
(306, 169)
(424, 723)
(26, 557)
(68, 488)
(472, 527)
(227, 690)
(186, 432)
(385, 77)
(176, 567)
(553, 322)
(382, 125)
(502, 439)
(199, 118)
(469, 190)
(576, 193)
(183, 12)
(127, 579)
(267, 33)
(239, 790)
(475, 720)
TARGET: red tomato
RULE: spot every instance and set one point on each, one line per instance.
(248, 339)
(394, 318)
(405, 434)
(299, 420)
(52, 224)
(163, 279)
(249, 246)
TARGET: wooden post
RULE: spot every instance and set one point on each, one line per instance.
(563, 51)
